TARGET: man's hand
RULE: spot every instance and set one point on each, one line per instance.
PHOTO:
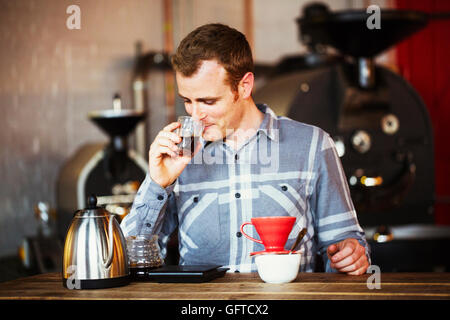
(165, 165)
(348, 256)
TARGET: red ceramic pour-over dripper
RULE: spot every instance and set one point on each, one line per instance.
(273, 231)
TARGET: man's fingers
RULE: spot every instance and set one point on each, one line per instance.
(347, 261)
(166, 142)
(160, 150)
(332, 249)
(358, 268)
(352, 267)
(171, 126)
(360, 271)
(343, 263)
(344, 252)
(169, 135)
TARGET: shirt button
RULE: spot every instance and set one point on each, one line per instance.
(236, 157)
(160, 197)
(238, 234)
(195, 199)
(148, 225)
(237, 195)
(284, 188)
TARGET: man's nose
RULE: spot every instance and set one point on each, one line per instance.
(197, 113)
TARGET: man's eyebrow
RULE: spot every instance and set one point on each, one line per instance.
(200, 99)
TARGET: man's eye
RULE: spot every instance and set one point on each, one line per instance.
(210, 102)
(187, 101)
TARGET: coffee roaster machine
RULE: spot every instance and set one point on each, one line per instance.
(379, 123)
(112, 171)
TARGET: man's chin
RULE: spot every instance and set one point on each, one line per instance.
(212, 136)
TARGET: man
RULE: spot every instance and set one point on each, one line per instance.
(251, 163)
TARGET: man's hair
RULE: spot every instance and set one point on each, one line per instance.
(226, 45)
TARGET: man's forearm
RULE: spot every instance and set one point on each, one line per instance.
(148, 209)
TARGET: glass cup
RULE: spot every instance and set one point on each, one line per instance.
(143, 254)
(190, 132)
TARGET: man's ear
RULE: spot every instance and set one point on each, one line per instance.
(246, 85)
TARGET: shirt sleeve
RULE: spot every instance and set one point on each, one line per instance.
(335, 215)
(153, 212)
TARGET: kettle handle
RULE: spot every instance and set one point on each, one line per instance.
(107, 263)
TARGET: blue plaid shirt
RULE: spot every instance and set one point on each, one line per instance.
(287, 168)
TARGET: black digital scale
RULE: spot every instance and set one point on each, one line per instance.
(182, 274)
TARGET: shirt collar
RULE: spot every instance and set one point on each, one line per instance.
(269, 125)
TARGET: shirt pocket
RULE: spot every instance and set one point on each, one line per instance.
(200, 221)
(283, 198)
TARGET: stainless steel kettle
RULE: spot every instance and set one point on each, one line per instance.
(95, 254)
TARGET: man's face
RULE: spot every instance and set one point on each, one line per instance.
(208, 98)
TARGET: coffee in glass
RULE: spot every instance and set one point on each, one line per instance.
(190, 132)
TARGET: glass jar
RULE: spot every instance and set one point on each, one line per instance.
(143, 254)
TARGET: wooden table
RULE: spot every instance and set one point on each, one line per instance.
(243, 286)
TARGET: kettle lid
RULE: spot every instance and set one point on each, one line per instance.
(92, 202)
(91, 208)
